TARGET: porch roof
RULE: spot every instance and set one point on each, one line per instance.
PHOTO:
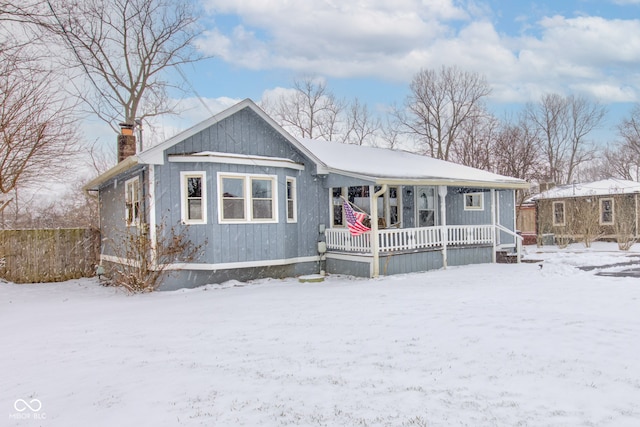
(384, 166)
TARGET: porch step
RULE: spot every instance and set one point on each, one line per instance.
(504, 257)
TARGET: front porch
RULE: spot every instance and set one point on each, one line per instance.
(403, 250)
(409, 239)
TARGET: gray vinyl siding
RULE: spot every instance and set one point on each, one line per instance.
(112, 211)
(469, 255)
(410, 262)
(349, 268)
(194, 278)
(506, 217)
(245, 133)
(456, 215)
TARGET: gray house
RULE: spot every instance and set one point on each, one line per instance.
(263, 203)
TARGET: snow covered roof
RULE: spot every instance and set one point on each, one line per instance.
(597, 188)
(386, 166)
(382, 166)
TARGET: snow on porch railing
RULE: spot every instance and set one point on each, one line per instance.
(400, 239)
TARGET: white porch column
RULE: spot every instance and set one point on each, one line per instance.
(153, 237)
(375, 243)
(442, 195)
(493, 223)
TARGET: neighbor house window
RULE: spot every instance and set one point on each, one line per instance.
(558, 213)
(193, 196)
(291, 200)
(247, 198)
(606, 211)
(132, 201)
(473, 201)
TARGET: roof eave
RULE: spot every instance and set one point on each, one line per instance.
(515, 185)
(123, 166)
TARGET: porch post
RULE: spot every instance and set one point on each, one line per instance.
(442, 194)
(375, 244)
(493, 224)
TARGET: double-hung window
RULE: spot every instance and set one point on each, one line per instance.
(606, 211)
(558, 213)
(193, 190)
(292, 215)
(132, 201)
(247, 198)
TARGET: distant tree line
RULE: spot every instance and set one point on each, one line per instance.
(445, 116)
(62, 60)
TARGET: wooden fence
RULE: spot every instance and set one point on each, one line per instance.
(50, 255)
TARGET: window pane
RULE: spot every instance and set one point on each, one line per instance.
(426, 219)
(262, 209)
(261, 188)
(337, 215)
(233, 209)
(195, 208)
(194, 187)
(289, 190)
(290, 213)
(233, 187)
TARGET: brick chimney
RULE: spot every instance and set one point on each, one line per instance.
(126, 142)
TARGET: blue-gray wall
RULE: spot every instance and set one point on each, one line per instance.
(245, 133)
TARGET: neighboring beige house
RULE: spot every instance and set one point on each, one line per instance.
(606, 209)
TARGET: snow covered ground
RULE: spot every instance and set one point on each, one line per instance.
(486, 345)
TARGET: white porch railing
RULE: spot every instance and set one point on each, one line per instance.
(399, 239)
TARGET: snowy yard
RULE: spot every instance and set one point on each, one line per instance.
(487, 345)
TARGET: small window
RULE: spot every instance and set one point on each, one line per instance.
(606, 211)
(291, 200)
(261, 198)
(558, 213)
(132, 202)
(247, 198)
(233, 200)
(337, 214)
(473, 201)
(193, 194)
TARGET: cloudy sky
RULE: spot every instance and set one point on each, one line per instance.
(370, 49)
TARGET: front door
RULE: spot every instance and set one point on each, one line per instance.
(426, 206)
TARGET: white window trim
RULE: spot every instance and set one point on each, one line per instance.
(136, 220)
(613, 211)
(473, 208)
(248, 206)
(183, 196)
(416, 202)
(564, 213)
(294, 188)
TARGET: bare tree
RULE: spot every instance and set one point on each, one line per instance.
(584, 116)
(362, 127)
(474, 146)
(310, 111)
(438, 105)
(549, 116)
(564, 124)
(124, 48)
(36, 123)
(516, 151)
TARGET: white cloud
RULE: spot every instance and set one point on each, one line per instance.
(393, 40)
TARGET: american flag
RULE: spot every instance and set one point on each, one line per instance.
(354, 220)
